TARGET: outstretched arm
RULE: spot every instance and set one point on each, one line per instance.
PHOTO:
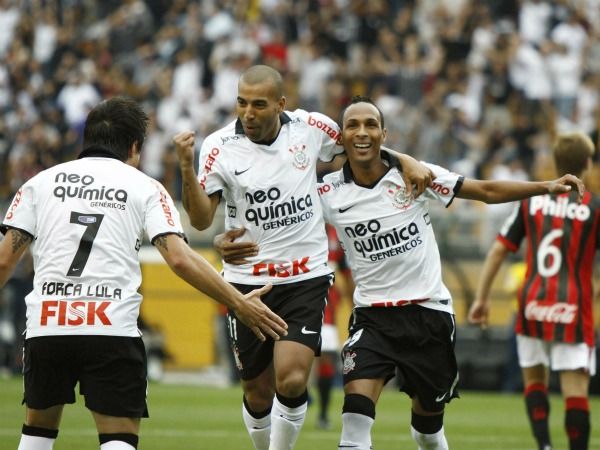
(12, 248)
(199, 206)
(198, 272)
(498, 191)
(480, 309)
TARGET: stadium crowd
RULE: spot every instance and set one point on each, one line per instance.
(476, 86)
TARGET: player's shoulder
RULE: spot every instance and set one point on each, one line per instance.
(313, 119)
(228, 134)
(332, 184)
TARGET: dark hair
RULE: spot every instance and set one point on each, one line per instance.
(116, 124)
(360, 99)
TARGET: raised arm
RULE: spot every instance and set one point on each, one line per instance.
(198, 272)
(480, 309)
(499, 191)
(199, 206)
(12, 248)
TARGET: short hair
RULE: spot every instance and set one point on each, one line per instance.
(261, 73)
(571, 153)
(360, 99)
(116, 124)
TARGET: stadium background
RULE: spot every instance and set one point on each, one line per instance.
(480, 87)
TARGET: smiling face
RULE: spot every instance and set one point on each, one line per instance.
(362, 133)
(258, 107)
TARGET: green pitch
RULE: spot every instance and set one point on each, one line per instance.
(209, 418)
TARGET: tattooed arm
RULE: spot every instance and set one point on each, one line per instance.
(198, 272)
(199, 206)
(12, 248)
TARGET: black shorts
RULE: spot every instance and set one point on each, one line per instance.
(300, 304)
(412, 342)
(111, 371)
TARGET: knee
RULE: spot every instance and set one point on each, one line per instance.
(291, 383)
(259, 397)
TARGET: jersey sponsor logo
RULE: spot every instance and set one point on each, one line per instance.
(440, 188)
(370, 243)
(331, 132)
(282, 270)
(210, 159)
(86, 192)
(301, 159)
(393, 303)
(548, 311)
(561, 207)
(164, 203)
(265, 210)
(15, 203)
(231, 211)
(65, 313)
(225, 139)
(343, 210)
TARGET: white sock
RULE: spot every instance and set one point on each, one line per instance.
(356, 431)
(285, 425)
(35, 443)
(116, 445)
(258, 429)
(435, 441)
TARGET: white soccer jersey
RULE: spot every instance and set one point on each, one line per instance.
(88, 219)
(388, 239)
(271, 191)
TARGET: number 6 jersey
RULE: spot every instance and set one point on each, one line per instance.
(555, 301)
(87, 219)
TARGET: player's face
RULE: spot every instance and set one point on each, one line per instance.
(258, 107)
(362, 134)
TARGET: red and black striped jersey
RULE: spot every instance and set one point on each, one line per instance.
(555, 301)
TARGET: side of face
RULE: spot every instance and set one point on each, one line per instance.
(362, 133)
(258, 107)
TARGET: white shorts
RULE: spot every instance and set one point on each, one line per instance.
(556, 355)
(330, 341)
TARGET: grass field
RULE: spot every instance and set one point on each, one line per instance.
(209, 418)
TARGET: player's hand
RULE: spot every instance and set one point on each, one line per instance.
(234, 252)
(184, 147)
(567, 183)
(259, 318)
(479, 313)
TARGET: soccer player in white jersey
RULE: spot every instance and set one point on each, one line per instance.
(264, 166)
(84, 221)
(403, 319)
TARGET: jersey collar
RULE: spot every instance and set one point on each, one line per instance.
(390, 159)
(283, 118)
(97, 151)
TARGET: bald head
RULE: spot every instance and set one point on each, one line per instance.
(263, 74)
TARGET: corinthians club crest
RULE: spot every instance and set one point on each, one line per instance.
(400, 199)
(301, 159)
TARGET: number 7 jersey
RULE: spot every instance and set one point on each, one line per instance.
(555, 301)
(87, 219)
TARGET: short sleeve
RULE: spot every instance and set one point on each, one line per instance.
(21, 212)
(210, 172)
(161, 215)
